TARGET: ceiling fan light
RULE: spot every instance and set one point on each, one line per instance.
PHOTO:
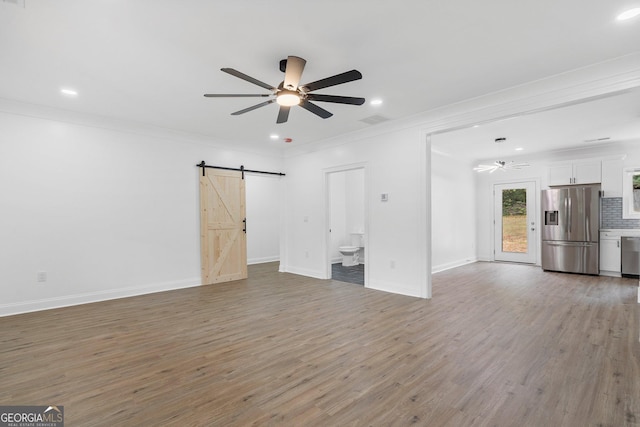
(288, 98)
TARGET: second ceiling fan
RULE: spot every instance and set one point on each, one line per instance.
(290, 92)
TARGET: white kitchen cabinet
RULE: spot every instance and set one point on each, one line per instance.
(612, 178)
(610, 257)
(577, 172)
(561, 174)
(610, 250)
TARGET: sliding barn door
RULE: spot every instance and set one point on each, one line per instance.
(222, 218)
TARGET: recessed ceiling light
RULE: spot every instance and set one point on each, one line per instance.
(376, 101)
(628, 14)
(69, 92)
(519, 149)
(274, 136)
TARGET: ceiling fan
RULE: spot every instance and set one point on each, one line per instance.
(290, 92)
(501, 165)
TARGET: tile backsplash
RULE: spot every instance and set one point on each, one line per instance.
(611, 214)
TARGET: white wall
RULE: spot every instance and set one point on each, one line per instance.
(453, 212)
(108, 213)
(395, 163)
(264, 202)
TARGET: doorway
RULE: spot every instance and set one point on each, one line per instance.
(515, 222)
(346, 223)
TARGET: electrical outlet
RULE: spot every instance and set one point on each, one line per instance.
(392, 264)
(41, 276)
(306, 254)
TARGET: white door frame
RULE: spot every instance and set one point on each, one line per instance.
(531, 256)
(327, 197)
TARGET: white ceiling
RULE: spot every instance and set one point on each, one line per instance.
(602, 121)
(151, 61)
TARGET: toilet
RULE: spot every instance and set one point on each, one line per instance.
(351, 254)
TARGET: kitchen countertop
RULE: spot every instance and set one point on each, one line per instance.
(618, 232)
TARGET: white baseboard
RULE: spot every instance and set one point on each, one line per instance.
(263, 260)
(303, 272)
(454, 264)
(77, 299)
(394, 288)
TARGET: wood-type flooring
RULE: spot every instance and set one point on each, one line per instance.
(498, 345)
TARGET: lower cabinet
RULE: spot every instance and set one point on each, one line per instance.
(610, 258)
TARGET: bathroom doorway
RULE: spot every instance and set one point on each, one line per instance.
(346, 224)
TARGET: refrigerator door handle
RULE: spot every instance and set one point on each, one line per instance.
(566, 215)
(569, 217)
(552, 243)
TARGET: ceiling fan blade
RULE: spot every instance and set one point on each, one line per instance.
(318, 111)
(283, 114)
(246, 110)
(338, 79)
(293, 72)
(250, 79)
(337, 99)
(234, 95)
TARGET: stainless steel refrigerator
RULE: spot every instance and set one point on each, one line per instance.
(570, 230)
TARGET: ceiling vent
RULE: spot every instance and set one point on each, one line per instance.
(374, 120)
(19, 3)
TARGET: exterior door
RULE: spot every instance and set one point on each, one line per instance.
(222, 226)
(515, 207)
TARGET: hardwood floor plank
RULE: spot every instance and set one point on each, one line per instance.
(497, 343)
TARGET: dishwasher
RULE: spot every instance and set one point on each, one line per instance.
(630, 248)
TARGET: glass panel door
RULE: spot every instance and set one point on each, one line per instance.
(515, 222)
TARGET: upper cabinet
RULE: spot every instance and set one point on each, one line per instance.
(612, 178)
(577, 172)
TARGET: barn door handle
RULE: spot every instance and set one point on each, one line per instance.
(244, 221)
